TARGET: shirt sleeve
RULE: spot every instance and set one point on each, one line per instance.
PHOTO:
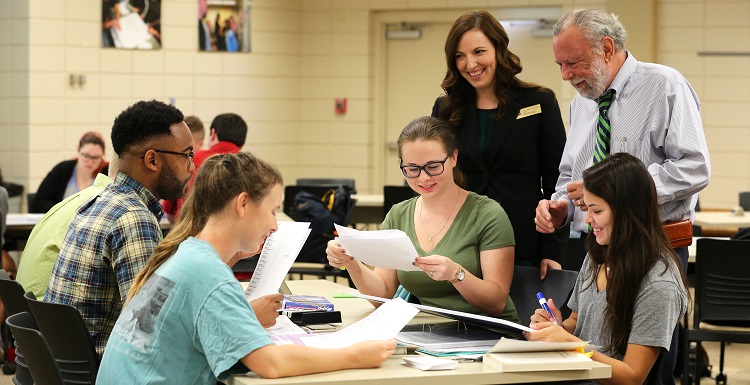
(133, 241)
(493, 226)
(228, 330)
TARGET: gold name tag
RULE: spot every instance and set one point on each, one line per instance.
(528, 111)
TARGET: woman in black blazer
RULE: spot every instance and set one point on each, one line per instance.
(511, 134)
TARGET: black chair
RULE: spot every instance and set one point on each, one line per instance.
(348, 183)
(44, 369)
(721, 311)
(69, 339)
(654, 375)
(526, 283)
(11, 293)
(745, 200)
(395, 194)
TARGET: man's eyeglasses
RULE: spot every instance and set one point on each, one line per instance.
(433, 168)
(189, 156)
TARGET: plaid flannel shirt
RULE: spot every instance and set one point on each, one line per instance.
(107, 244)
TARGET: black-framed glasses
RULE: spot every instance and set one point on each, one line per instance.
(433, 168)
(189, 156)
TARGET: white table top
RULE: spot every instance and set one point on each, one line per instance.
(369, 200)
(721, 219)
(392, 372)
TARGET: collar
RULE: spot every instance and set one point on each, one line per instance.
(124, 182)
(623, 75)
(224, 148)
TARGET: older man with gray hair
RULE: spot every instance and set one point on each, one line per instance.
(623, 105)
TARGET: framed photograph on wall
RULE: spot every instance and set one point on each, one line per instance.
(131, 24)
(224, 25)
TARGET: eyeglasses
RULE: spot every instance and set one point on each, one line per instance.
(433, 168)
(90, 157)
(189, 156)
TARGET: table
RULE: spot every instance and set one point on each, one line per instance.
(367, 209)
(720, 219)
(392, 372)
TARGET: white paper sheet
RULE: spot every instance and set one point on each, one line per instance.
(389, 249)
(284, 326)
(279, 252)
(429, 363)
(383, 324)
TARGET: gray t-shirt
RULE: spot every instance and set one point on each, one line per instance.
(661, 302)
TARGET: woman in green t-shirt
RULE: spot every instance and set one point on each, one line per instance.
(464, 240)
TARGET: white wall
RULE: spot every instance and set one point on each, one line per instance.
(305, 54)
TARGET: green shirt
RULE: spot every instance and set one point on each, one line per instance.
(481, 224)
(45, 240)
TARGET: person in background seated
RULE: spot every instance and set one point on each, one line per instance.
(630, 293)
(48, 234)
(227, 136)
(510, 132)
(196, 129)
(464, 240)
(187, 319)
(71, 176)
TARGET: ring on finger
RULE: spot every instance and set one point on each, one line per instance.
(535, 222)
(431, 274)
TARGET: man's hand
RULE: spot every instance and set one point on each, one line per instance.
(550, 215)
(575, 194)
(548, 264)
(266, 309)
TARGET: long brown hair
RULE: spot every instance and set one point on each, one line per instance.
(430, 128)
(457, 89)
(636, 244)
(220, 179)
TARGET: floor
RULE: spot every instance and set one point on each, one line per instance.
(736, 365)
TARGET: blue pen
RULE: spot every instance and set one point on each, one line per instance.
(543, 302)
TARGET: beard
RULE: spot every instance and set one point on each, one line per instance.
(597, 83)
(169, 186)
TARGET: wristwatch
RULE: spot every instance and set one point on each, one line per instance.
(460, 274)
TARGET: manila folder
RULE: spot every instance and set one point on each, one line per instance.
(538, 361)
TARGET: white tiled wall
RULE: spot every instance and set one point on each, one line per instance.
(722, 82)
(305, 54)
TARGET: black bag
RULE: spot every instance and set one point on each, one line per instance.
(322, 212)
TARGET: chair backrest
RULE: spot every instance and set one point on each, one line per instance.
(526, 283)
(745, 200)
(39, 358)
(11, 293)
(348, 183)
(722, 284)
(654, 375)
(68, 338)
(395, 194)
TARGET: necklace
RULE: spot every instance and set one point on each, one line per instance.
(446, 219)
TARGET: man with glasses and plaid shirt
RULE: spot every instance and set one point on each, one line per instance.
(115, 232)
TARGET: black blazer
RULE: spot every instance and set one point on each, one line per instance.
(519, 166)
(52, 189)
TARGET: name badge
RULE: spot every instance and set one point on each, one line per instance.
(528, 111)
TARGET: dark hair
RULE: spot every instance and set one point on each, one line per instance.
(430, 128)
(457, 89)
(637, 241)
(141, 122)
(230, 128)
(220, 178)
(92, 137)
(194, 124)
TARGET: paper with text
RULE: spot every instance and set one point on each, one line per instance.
(279, 252)
(382, 324)
(389, 249)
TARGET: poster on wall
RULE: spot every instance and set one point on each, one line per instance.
(224, 25)
(131, 24)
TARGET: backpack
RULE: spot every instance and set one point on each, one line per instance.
(334, 206)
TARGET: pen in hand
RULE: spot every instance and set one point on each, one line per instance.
(543, 302)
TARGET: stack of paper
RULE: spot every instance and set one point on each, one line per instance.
(451, 339)
(522, 356)
(429, 363)
(279, 252)
(389, 249)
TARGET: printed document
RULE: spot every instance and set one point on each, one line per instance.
(389, 249)
(382, 324)
(279, 252)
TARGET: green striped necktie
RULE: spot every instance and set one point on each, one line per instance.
(601, 149)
